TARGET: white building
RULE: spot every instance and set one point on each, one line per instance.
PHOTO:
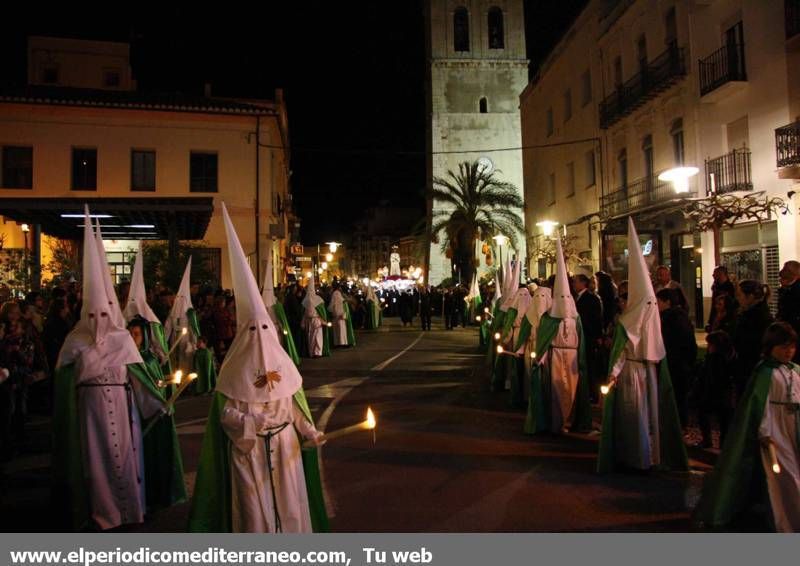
(678, 82)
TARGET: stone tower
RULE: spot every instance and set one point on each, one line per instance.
(478, 68)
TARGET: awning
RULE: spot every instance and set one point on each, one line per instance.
(138, 218)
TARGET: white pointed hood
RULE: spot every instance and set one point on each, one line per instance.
(97, 340)
(563, 303)
(268, 294)
(111, 293)
(541, 303)
(498, 293)
(311, 300)
(474, 289)
(255, 350)
(521, 302)
(177, 319)
(137, 296)
(640, 318)
(509, 287)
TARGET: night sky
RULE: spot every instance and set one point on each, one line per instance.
(352, 72)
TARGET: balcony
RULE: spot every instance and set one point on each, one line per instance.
(730, 172)
(722, 72)
(644, 193)
(654, 78)
(787, 151)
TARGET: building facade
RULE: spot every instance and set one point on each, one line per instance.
(80, 132)
(478, 67)
(674, 83)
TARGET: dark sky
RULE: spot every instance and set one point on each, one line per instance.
(353, 75)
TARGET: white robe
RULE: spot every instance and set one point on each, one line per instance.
(339, 321)
(314, 339)
(780, 424)
(636, 425)
(252, 505)
(562, 359)
(111, 445)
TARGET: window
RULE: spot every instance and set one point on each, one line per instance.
(670, 28)
(483, 106)
(203, 172)
(617, 72)
(676, 131)
(647, 158)
(551, 189)
(50, 74)
(111, 78)
(622, 169)
(567, 105)
(17, 167)
(496, 38)
(586, 88)
(84, 169)
(588, 168)
(143, 170)
(570, 179)
(734, 49)
(461, 29)
(641, 52)
(549, 122)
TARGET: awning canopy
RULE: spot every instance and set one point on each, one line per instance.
(138, 218)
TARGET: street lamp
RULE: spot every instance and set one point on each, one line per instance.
(333, 246)
(547, 227)
(501, 241)
(679, 177)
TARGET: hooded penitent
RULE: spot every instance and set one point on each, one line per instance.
(255, 350)
(311, 301)
(137, 307)
(97, 339)
(541, 303)
(113, 302)
(498, 293)
(563, 303)
(179, 314)
(641, 318)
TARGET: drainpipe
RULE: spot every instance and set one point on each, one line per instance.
(258, 199)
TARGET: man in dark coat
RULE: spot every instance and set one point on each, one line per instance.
(449, 308)
(681, 346)
(590, 310)
(789, 298)
(722, 286)
(425, 306)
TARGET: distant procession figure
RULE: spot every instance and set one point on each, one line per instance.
(500, 368)
(340, 318)
(315, 322)
(540, 304)
(515, 369)
(641, 428)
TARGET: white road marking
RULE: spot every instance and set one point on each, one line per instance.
(382, 366)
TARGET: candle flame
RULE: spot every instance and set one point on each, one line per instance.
(371, 420)
(604, 389)
(533, 355)
(478, 318)
(497, 336)
(486, 310)
(192, 376)
(330, 324)
(499, 349)
(184, 330)
(285, 332)
(776, 468)
(178, 377)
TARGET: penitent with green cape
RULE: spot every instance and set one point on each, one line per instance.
(278, 315)
(254, 475)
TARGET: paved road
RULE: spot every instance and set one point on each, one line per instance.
(447, 454)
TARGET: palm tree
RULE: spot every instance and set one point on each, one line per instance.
(477, 205)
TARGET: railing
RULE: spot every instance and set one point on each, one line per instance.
(787, 145)
(729, 172)
(655, 77)
(724, 65)
(792, 13)
(638, 195)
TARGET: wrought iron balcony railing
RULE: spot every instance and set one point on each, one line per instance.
(729, 172)
(726, 64)
(640, 194)
(787, 145)
(657, 76)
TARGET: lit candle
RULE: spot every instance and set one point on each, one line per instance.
(499, 349)
(497, 336)
(184, 331)
(477, 318)
(369, 424)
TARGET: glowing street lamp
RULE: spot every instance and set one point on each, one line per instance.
(333, 246)
(501, 240)
(679, 177)
(547, 227)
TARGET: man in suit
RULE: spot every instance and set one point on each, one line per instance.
(590, 309)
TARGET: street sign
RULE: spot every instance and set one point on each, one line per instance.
(297, 249)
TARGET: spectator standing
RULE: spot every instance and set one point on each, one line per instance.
(754, 319)
(679, 341)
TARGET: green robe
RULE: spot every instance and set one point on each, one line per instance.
(673, 451)
(286, 331)
(374, 315)
(157, 335)
(738, 479)
(211, 503)
(540, 402)
(203, 366)
(326, 330)
(499, 363)
(163, 465)
(351, 335)
(69, 482)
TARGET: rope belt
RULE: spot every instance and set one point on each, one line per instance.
(270, 432)
(564, 347)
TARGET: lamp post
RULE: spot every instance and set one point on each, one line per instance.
(679, 177)
(501, 241)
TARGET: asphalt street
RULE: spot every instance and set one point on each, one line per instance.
(447, 455)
